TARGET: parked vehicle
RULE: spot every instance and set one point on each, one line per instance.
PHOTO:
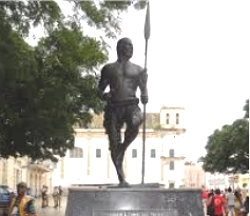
(5, 195)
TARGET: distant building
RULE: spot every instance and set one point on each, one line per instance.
(217, 180)
(90, 163)
(37, 174)
(195, 176)
(223, 181)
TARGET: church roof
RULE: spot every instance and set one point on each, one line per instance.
(152, 121)
(172, 108)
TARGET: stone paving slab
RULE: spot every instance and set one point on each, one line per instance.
(50, 210)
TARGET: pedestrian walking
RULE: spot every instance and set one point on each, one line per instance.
(22, 204)
(210, 206)
(60, 192)
(237, 203)
(44, 196)
(218, 203)
(55, 195)
(245, 208)
(230, 202)
(204, 196)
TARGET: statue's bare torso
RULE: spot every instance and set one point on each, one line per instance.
(123, 80)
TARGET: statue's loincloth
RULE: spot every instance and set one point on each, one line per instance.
(119, 112)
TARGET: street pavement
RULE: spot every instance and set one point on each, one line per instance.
(50, 210)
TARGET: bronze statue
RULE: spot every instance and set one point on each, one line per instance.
(123, 78)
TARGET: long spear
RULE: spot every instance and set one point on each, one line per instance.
(146, 36)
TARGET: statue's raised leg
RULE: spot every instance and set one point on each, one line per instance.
(133, 124)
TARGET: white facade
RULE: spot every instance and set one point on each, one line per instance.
(91, 162)
(13, 171)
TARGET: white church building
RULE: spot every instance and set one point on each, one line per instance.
(89, 162)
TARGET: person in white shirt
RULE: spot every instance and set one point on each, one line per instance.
(230, 202)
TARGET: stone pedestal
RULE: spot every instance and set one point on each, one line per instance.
(134, 202)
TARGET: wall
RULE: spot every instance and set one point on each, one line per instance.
(102, 170)
(195, 176)
(92, 170)
(174, 176)
(12, 171)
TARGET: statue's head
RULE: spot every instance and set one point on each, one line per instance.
(124, 49)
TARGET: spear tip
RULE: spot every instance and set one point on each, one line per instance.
(147, 23)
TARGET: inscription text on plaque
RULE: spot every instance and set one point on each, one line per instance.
(150, 212)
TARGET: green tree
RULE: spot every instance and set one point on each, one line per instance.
(228, 149)
(102, 14)
(45, 90)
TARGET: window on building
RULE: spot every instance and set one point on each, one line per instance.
(171, 153)
(152, 153)
(134, 153)
(62, 168)
(76, 153)
(167, 118)
(171, 165)
(98, 153)
(5, 172)
(171, 185)
(177, 118)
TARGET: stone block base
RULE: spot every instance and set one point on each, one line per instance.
(134, 202)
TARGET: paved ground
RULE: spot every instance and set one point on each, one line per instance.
(50, 211)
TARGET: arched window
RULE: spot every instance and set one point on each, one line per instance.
(177, 118)
(167, 118)
(76, 153)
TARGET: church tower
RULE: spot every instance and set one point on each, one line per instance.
(172, 119)
(172, 122)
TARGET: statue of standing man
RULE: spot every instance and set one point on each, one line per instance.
(123, 78)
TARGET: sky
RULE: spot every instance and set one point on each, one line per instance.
(198, 58)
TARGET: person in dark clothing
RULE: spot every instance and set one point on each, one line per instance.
(246, 204)
(210, 207)
(245, 210)
(44, 197)
(60, 192)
